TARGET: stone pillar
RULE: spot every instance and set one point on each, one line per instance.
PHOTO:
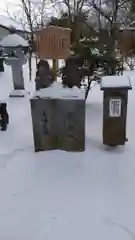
(17, 72)
(16, 62)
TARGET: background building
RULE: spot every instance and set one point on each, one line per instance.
(6, 24)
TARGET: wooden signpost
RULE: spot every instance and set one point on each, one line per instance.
(53, 43)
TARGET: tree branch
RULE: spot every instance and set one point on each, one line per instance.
(99, 9)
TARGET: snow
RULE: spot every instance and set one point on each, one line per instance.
(59, 195)
(116, 82)
(95, 51)
(57, 91)
(13, 40)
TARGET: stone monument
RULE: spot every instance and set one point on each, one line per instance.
(58, 117)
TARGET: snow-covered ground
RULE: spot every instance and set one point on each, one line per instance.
(56, 195)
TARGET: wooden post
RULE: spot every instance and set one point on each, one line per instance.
(55, 67)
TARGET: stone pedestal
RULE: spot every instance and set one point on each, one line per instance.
(18, 93)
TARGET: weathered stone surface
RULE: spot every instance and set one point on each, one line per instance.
(58, 124)
(17, 72)
(16, 60)
(71, 124)
(44, 125)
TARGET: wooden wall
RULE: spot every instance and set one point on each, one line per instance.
(53, 43)
(126, 39)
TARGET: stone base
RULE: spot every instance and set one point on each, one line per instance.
(18, 93)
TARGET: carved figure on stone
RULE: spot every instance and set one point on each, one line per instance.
(71, 74)
(44, 76)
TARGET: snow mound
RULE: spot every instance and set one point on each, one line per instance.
(13, 40)
(56, 90)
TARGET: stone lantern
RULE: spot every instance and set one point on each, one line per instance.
(15, 49)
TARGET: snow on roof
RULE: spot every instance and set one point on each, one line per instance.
(8, 23)
(115, 82)
(13, 40)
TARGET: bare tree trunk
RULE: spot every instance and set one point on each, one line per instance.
(99, 16)
(35, 18)
(88, 87)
